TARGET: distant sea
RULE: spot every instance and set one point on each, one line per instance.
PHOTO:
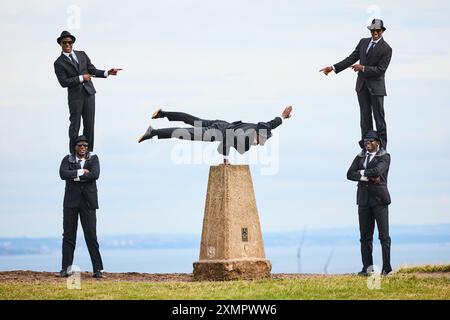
(311, 251)
(314, 259)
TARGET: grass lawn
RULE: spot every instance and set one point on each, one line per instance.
(402, 285)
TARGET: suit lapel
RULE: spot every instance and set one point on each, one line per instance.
(80, 58)
(366, 44)
(377, 47)
(361, 163)
(372, 162)
(67, 59)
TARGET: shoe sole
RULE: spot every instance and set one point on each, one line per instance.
(155, 114)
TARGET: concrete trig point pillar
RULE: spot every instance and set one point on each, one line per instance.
(232, 245)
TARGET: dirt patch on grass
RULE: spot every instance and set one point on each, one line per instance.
(52, 277)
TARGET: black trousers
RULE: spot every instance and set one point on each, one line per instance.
(89, 223)
(203, 130)
(368, 105)
(84, 107)
(368, 215)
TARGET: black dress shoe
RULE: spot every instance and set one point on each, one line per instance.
(98, 274)
(147, 135)
(364, 273)
(157, 114)
(63, 274)
(385, 272)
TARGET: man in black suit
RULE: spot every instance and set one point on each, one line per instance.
(74, 71)
(80, 170)
(374, 55)
(370, 168)
(238, 134)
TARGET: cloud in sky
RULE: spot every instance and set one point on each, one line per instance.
(233, 60)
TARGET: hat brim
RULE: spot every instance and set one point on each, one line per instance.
(81, 138)
(372, 27)
(68, 36)
(370, 138)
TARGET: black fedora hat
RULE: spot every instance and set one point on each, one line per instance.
(65, 34)
(376, 24)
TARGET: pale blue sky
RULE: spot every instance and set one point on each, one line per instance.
(236, 60)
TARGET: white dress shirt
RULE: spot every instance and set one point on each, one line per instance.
(80, 172)
(370, 43)
(372, 155)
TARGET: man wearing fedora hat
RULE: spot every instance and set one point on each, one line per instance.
(374, 55)
(80, 170)
(238, 134)
(370, 168)
(74, 71)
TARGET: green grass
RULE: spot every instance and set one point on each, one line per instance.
(425, 268)
(399, 286)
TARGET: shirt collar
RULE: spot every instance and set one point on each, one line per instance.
(67, 54)
(376, 42)
(372, 153)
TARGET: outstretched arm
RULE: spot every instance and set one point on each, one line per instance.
(93, 70)
(344, 64)
(277, 121)
(100, 73)
(347, 62)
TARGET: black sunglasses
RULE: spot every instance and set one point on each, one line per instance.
(366, 141)
(376, 30)
(80, 145)
(66, 42)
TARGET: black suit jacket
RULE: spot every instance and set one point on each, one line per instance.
(68, 74)
(86, 188)
(369, 193)
(240, 135)
(375, 65)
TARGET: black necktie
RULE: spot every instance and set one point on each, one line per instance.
(73, 60)
(371, 47)
(368, 159)
(79, 162)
